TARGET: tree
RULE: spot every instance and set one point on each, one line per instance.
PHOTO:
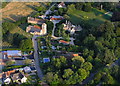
(26, 44)
(60, 11)
(108, 79)
(71, 8)
(7, 26)
(113, 43)
(117, 52)
(52, 78)
(89, 59)
(59, 62)
(69, 76)
(98, 46)
(108, 56)
(67, 73)
(98, 77)
(85, 52)
(49, 27)
(87, 66)
(79, 5)
(87, 7)
(109, 6)
(77, 61)
(9, 37)
(89, 41)
(114, 71)
(82, 74)
(118, 31)
(97, 62)
(17, 39)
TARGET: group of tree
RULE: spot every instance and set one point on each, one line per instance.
(83, 6)
(108, 76)
(104, 42)
(64, 70)
(15, 39)
(86, 6)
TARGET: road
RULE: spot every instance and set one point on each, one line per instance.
(93, 74)
(36, 58)
(47, 12)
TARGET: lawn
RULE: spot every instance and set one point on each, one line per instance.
(94, 17)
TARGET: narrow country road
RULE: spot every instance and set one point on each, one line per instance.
(47, 12)
(36, 57)
(93, 74)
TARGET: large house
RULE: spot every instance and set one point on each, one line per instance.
(71, 28)
(35, 20)
(36, 30)
(13, 75)
(61, 5)
(18, 78)
(13, 53)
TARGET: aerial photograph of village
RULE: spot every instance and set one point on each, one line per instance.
(60, 44)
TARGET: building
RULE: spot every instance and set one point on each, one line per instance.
(75, 55)
(3, 54)
(36, 30)
(27, 69)
(13, 53)
(56, 19)
(18, 78)
(61, 5)
(8, 73)
(35, 20)
(45, 60)
(7, 80)
(64, 42)
(71, 28)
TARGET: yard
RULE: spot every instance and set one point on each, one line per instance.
(94, 17)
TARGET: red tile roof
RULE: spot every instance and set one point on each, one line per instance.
(37, 27)
(75, 54)
(56, 18)
(62, 41)
(9, 72)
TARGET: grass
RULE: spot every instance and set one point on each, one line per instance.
(15, 10)
(21, 31)
(94, 17)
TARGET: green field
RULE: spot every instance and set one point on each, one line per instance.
(94, 17)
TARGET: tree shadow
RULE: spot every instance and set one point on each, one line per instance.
(32, 7)
(85, 24)
(16, 18)
(101, 14)
(7, 19)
